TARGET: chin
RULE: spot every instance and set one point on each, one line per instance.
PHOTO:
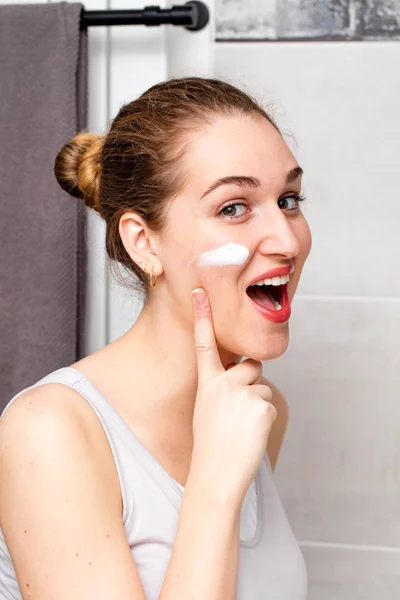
(267, 354)
(269, 348)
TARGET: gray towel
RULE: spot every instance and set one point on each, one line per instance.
(43, 89)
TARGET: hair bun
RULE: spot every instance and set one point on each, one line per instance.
(78, 168)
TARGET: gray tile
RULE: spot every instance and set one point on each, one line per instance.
(270, 19)
(313, 19)
(352, 574)
(338, 473)
(236, 19)
(381, 18)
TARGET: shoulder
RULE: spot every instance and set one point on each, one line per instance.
(37, 405)
(46, 428)
(51, 407)
(50, 411)
(277, 433)
(60, 502)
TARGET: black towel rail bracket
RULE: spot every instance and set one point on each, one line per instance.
(193, 15)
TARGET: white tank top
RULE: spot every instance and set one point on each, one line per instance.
(271, 564)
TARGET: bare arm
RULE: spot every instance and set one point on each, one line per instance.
(204, 563)
(62, 521)
(205, 556)
(59, 512)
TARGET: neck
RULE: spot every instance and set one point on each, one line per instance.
(157, 359)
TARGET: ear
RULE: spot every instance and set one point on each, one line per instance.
(139, 242)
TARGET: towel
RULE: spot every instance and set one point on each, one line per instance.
(43, 103)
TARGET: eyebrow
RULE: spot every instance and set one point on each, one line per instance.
(246, 181)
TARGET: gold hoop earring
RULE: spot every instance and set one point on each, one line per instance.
(152, 281)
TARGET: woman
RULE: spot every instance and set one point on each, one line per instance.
(142, 470)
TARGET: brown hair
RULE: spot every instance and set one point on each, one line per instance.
(136, 165)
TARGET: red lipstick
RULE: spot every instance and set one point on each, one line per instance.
(276, 316)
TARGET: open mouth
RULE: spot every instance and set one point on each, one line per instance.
(271, 297)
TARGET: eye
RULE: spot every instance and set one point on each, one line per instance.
(232, 210)
(297, 198)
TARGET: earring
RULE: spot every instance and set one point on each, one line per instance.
(152, 281)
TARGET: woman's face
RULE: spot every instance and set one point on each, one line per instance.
(264, 228)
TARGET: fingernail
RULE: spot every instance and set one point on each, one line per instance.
(200, 297)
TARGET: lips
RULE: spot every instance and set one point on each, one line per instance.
(276, 316)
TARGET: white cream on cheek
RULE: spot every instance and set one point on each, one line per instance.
(228, 254)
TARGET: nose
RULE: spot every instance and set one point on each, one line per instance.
(277, 235)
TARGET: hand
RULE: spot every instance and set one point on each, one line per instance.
(232, 416)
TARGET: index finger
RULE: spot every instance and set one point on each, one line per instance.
(208, 360)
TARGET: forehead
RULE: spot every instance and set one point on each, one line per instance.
(240, 146)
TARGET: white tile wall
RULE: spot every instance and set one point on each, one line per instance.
(352, 572)
(340, 100)
(339, 469)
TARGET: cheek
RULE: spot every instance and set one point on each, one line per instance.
(304, 236)
(215, 278)
(222, 256)
(222, 265)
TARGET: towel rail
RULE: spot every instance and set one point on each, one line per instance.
(193, 15)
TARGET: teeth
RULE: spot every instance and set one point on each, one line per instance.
(274, 281)
(277, 305)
